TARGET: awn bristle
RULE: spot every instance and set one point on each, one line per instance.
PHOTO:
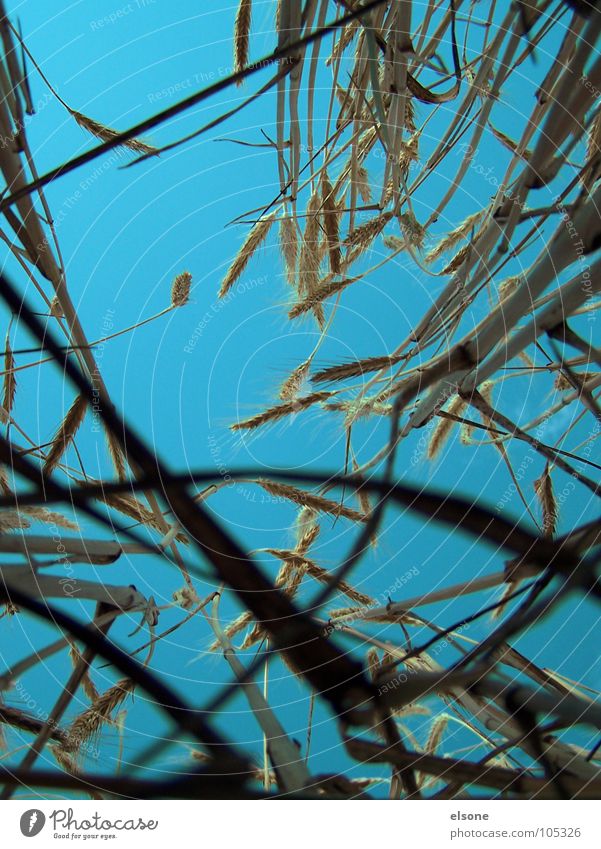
(66, 433)
(413, 231)
(394, 243)
(305, 525)
(243, 621)
(130, 506)
(257, 235)
(116, 454)
(12, 520)
(360, 407)
(241, 36)
(307, 530)
(362, 494)
(457, 260)
(4, 485)
(322, 575)
(180, 289)
(310, 256)
(486, 391)
(93, 718)
(437, 730)
(457, 235)
(289, 247)
(434, 740)
(362, 184)
(362, 237)
(281, 411)
(87, 684)
(443, 428)
(50, 517)
(64, 760)
(320, 295)
(543, 488)
(561, 382)
(106, 134)
(593, 148)
(293, 383)
(373, 663)
(354, 369)
(346, 36)
(309, 499)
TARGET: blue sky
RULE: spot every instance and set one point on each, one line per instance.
(125, 233)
